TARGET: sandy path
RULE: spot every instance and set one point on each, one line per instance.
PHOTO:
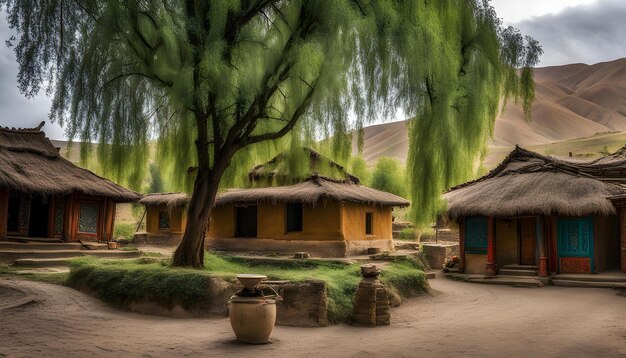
(38, 319)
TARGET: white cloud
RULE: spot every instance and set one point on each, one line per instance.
(512, 11)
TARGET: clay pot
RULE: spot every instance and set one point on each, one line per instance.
(252, 318)
(112, 245)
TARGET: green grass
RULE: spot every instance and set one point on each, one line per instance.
(408, 234)
(118, 282)
(125, 230)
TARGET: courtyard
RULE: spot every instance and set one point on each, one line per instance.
(456, 319)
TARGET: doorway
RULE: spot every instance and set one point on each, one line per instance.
(246, 221)
(13, 221)
(527, 240)
(38, 223)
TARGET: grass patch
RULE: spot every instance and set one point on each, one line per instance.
(124, 230)
(408, 234)
(117, 282)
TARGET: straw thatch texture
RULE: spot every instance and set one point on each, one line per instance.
(311, 192)
(317, 165)
(527, 183)
(29, 163)
(171, 200)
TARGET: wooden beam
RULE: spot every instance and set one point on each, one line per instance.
(491, 268)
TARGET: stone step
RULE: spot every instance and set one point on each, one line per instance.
(520, 267)
(13, 255)
(516, 272)
(508, 281)
(28, 246)
(590, 284)
(591, 277)
(33, 239)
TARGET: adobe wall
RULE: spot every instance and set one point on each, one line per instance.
(315, 248)
(475, 263)
(178, 220)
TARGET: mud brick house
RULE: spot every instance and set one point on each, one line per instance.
(166, 217)
(43, 195)
(322, 216)
(561, 216)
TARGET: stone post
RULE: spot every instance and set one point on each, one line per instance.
(371, 302)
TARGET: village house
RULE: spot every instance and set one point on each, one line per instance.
(535, 212)
(321, 216)
(166, 217)
(43, 195)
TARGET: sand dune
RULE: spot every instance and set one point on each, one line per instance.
(575, 101)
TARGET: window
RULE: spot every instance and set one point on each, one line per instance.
(164, 220)
(88, 219)
(369, 219)
(294, 217)
(476, 235)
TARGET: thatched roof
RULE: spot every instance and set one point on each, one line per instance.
(317, 164)
(528, 183)
(29, 163)
(311, 192)
(171, 200)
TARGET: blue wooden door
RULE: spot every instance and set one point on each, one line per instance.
(575, 245)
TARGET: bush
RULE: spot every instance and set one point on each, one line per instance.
(408, 234)
(125, 230)
(389, 176)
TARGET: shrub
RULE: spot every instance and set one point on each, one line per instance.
(125, 230)
(408, 234)
(389, 176)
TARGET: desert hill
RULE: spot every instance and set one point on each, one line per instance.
(574, 103)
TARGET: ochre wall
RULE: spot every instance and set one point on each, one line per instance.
(506, 242)
(320, 223)
(606, 242)
(475, 263)
(353, 222)
(178, 219)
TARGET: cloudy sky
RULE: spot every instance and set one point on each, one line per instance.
(570, 31)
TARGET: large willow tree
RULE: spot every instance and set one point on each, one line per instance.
(209, 79)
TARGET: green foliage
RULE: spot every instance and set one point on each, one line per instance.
(389, 176)
(408, 234)
(358, 168)
(156, 180)
(125, 230)
(238, 75)
(118, 282)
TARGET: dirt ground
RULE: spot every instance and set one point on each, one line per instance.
(458, 319)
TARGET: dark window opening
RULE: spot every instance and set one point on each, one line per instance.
(245, 221)
(369, 218)
(88, 218)
(13, 222)
(294, 217)
(38, 223)
(164, 220)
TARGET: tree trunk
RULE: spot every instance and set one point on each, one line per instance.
(190, 252)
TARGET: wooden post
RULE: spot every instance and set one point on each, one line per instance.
(4, 213)
(553, 255)
(543, 260)
(461, 244)
(491, 268)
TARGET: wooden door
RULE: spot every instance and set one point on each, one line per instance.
(527, 239)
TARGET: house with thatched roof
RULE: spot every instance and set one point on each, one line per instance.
(296, 166)
(542, 214)
(321, 216)
(43, 195)
(166, 217)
